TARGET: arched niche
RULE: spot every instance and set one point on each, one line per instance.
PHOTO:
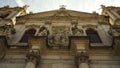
(93, 35)
(28, 33)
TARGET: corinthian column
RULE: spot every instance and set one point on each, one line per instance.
(82, 60)
(30, 65)
(83, 65)
(32, 60)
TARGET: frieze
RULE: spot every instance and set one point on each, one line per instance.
(48, 23)
(32, 26)
(89, 26)
(59, 18)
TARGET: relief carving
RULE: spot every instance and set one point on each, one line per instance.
(43, 31)
(114, 32)
(59, 37)
(7, 30)
(76, 31)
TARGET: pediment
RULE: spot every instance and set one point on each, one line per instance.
(60, 13)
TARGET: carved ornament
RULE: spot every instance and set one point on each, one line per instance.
(59, 37)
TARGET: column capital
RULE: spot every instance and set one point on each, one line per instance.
(82, 57)
(33, 57)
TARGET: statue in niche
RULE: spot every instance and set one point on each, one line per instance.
(8, 31)
(76, 31)
(43, 31)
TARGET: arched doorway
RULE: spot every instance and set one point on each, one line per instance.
(93, 35)
(28, 33)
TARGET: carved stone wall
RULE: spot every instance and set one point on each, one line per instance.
(59, 36)
(60, 40)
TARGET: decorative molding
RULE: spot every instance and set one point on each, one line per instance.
(89, 26)
(62, 13)
(59, 37)
(32, 26)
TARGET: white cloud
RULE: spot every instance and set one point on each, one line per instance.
(78, 5)
(20, 3)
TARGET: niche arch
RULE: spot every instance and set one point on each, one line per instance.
(28, 33)
(93, 35)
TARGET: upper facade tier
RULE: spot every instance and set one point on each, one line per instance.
(61, 14)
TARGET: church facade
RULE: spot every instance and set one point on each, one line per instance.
(59, 38)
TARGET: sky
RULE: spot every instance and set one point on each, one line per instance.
(46, 5)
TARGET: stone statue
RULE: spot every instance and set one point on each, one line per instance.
(76, 31)
(43, 31)
(8, 31)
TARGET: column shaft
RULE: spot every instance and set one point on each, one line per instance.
(30, 65)
(83, 65)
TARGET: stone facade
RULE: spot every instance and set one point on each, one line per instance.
(59, 38)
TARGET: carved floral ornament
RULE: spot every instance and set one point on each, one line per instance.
(36, 25)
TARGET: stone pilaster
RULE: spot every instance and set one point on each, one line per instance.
(2, 48)
(35, 51)
(117, 46)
